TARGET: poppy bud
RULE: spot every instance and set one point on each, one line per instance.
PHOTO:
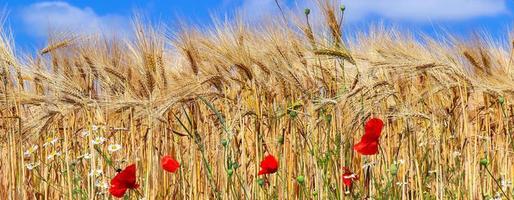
(293, 114)
(230, 172)
(224, 142)
(501, 100)
(328, 118)
(234, 165)
(394, 170)
(484, 162)
(343, 8)
(260, 182)
(300, 179)
(307, 11)
(314, 193)
(281, 139)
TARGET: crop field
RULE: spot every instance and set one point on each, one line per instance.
(290, 108)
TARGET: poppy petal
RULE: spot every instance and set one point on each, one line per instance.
(169, 164)
(269, 165)
(117, 191)
(366, 148)
(126, 178)
(373, 128)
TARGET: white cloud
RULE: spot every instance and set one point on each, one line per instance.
(425, 10)
(405, 10)
(40, 18)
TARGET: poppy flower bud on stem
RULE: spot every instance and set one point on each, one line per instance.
(224, 142)
(343, 8)
(501, 100)
(260, 182)
(484, 162)
(230, 172)
(281, 139)
(307, 11)
(394, 170)
(300, 179)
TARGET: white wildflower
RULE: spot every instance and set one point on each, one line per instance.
(366, 165)
(456, 154)
(401, 183)
(98, 140)
(31, 150)
(50, 141)
(52, 155)
(85, 133)
(85, 156)
(505, 183)
(96, 173)
(31, 166)
(95, 128)
(102, 184)
(399, 162)
(114, 147)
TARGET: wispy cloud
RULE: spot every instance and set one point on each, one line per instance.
(404, 10)
(425, 10)
(40, 18)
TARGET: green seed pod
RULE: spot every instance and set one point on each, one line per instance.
(293, 114)
(484, 162)
(501, 100)
(281, 139)
(224, 142)
(234, 165)
(394, 169)
(343, 8)
(300, 179)
(260, 182)
(328, 118)
(230, 172)
(314, 193)
(307, 11)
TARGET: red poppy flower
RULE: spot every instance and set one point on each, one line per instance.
(369, 141)
(126, 179)
(169, 164)
(349, 177)
(269, 165)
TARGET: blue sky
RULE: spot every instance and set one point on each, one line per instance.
(30, 20)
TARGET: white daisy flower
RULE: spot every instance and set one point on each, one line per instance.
(96, 173)
(85, 156)
(401, 183)
(31, 166)
(366, 165)
(52, 155)
(95, 128)
(505, 183)
(102, 184)
(456, 154)
(98, 140)
(31, 150)
(50, 141)
(114, 147)
(85, 133)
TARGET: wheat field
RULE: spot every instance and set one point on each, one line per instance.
(220, 99)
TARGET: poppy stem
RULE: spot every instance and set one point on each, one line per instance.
(496, 181)
(138, 193)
